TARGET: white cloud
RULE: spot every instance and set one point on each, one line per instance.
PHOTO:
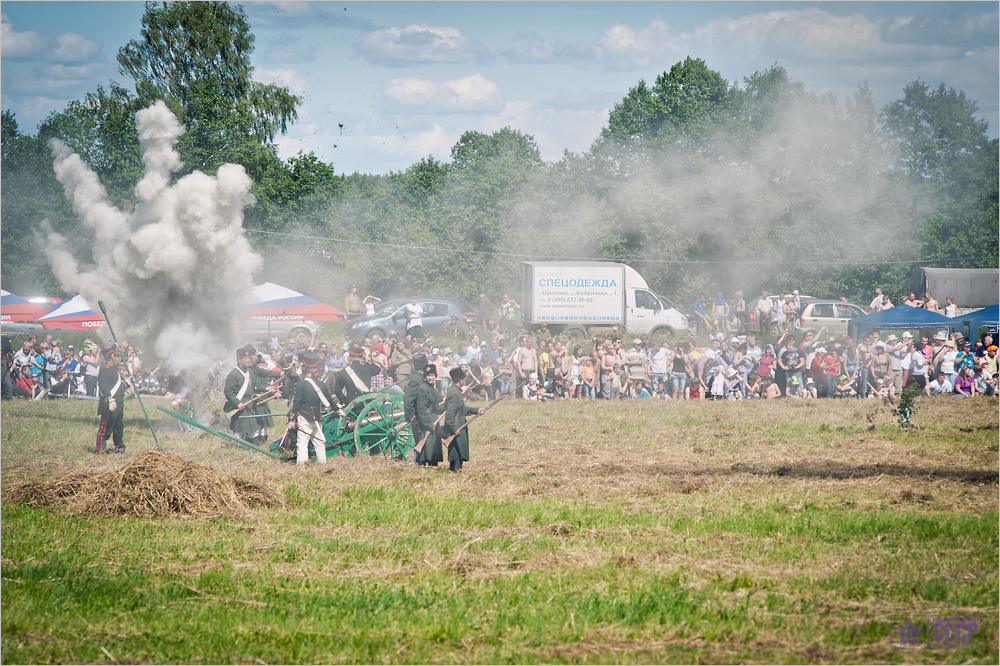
(410, 147)
(72, 47)
(469, 93)
(283, 77)
(623, 47)
(554, 129)
(14, 44)
(287, 50)
(419, 44)
(30, 45)
(532, 49)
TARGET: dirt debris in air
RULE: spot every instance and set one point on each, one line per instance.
(154, 484)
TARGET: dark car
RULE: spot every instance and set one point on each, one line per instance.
(391, 316)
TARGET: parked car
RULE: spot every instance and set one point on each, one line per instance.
(303, 332)
(776, 301)
(391, 316)
(833, 314)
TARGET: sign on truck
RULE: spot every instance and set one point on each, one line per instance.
(571, 296)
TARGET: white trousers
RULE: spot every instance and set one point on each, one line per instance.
(309, 431)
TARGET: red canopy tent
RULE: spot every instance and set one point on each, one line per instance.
(277, 303)
(14, 308)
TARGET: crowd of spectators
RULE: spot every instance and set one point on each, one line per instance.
(500, 358)
(45, 368)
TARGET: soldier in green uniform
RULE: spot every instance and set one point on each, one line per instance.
(455, 413)
(419, 362)
(428, 404)
(242, 382)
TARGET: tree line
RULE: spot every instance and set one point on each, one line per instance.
(700, 184)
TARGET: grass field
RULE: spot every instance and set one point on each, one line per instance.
(579, 532)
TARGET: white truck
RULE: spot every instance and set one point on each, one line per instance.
(572, 296)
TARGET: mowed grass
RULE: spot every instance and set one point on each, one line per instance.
(579, 532)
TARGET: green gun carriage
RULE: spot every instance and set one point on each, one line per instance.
(372, 424)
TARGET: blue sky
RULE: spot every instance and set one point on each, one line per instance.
(406, 79)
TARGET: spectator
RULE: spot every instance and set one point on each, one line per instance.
(740, 309)
(765, 311)
(879, 365)
(940, 385)
(352, 303)
(930, 303)
(370, 302)
(792, 363)
(984, 382)
(588, 378)
(766, 365)
(635, 364)
(414, 321)
(964, 385)
(699, 309)
(918, 365)
(527, 360)
(720, 312)
(876, 302)
(660, 364)
(949, 307)
(681, 371)
(508, 312)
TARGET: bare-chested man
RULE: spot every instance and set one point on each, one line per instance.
(527, 360)
(930, 303)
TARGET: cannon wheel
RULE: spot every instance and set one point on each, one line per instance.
(377, 428)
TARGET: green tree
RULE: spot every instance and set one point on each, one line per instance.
(30, 194)
(944, 147)
(196, 57)
(189, 43)
(101, 129)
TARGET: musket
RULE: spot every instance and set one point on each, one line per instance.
(230, 414)
(131, 380)
(420, 445)
(257, 416)
(447, 442)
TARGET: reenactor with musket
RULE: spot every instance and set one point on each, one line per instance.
(421, 405)
(244, 396)
(454, 420)
(356, 378)
(306, 409)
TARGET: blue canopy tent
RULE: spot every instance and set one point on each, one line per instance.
(899, 317)
(986, 317)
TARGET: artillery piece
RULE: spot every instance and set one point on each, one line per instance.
(371, 424)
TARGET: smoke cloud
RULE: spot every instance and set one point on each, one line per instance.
(177, 272)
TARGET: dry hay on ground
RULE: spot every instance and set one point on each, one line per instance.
(154, 484)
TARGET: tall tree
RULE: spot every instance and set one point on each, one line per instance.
(188, 43)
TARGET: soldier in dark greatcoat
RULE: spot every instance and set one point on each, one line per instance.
(356, 378)
(111, 405)
(428, 406)
(241, 385)
(454, 419)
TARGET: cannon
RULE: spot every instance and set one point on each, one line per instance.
(372, 424)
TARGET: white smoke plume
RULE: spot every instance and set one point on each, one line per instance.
(177, 273)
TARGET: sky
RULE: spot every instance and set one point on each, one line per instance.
(385, 84)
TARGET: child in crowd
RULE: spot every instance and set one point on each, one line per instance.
(587, 375)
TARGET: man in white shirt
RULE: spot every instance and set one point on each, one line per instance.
(414, 323)
(753, 351)
(940, 386)
(877, 301)
(659, 365)
(765, 306)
